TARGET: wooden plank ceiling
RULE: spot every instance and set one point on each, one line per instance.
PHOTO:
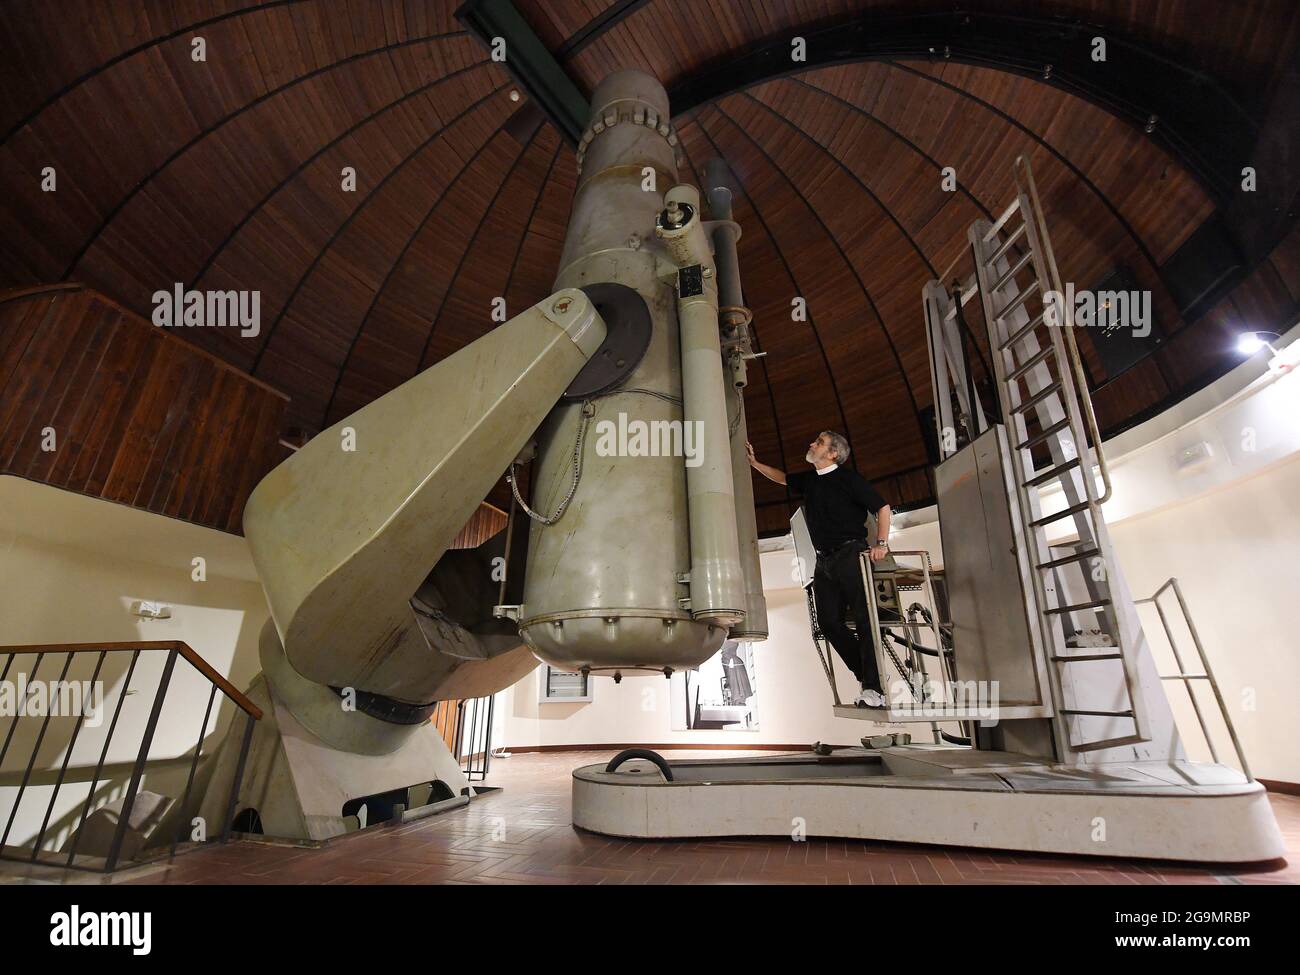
(226, 173)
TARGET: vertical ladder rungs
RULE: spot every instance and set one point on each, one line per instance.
(1014, 269)
(1038, 397)
(1085, 657)
(1077, 607)
(1020, 333)
(1019, 299)
(1052, 473)
(1038, 438)
(1007, 244)
(1007, 214)
(1093, 746)
(1074, 509)
(1066, 560)
(1032, 361)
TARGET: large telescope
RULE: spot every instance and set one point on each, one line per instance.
(642, 567)
(624, 387)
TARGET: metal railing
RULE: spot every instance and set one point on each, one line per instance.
(174, 650)
(466, 726)
(1207, 674)
(918, 616)
(820, 644)
(879, 628)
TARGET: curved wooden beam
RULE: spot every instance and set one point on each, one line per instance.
(132, 52)
(298, 170)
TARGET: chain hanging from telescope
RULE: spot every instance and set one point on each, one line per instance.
(588, 411)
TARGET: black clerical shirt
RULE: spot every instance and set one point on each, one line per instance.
(836, 505)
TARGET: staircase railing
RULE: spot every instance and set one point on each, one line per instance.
(27, 711)
(466, 727)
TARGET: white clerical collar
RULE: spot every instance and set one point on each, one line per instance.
(826, 470)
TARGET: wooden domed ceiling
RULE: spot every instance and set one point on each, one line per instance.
(227, 173)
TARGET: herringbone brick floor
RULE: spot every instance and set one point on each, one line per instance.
(523, 835)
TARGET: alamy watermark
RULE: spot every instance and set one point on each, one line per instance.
(179, 308)
(1100, 309)
(651, 438)
(75, 928)
(975, 699)
(53, 698)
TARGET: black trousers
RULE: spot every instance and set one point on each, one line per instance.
(838, 592)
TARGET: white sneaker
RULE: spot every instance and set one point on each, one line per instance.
(871, 699)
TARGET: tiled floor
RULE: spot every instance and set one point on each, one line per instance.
(523, 835)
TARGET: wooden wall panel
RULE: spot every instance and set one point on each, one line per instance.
(482, 525)
(139, 416)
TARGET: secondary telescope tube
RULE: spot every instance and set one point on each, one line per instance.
(725, 234)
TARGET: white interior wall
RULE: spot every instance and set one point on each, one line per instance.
(1234, 551)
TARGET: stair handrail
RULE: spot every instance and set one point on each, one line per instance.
(174, 649)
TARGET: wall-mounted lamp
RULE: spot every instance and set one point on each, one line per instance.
(1280, 361)
(1248, 343)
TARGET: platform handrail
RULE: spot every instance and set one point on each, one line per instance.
(823, 655)
(1207, 675)
(880, 628)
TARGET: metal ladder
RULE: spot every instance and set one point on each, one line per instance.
(1045, 405)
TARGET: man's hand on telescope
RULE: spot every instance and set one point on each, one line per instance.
(769, 472)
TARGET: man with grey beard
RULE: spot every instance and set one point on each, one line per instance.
(837, 502)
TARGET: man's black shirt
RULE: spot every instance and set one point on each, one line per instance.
(836, 505)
